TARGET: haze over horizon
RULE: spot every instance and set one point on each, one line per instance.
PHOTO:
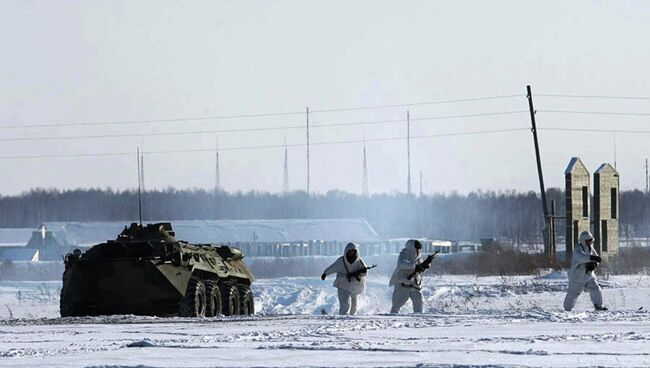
(89, 63)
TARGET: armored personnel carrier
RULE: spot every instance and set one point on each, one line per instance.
(146, 271)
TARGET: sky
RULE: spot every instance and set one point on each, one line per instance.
(176, 76)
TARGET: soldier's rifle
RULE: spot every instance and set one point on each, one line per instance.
(357, 274)
(424, 265)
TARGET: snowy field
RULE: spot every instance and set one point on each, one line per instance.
(469, 322)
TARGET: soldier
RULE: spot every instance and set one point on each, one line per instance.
(584, 261)
(408, 264)
(350, 278)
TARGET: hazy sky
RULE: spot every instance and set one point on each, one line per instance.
(118, 61)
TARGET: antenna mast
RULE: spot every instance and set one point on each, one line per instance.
(408, 151)
(647, 183)
(285, 182)
(364, 186)
(614, 138)
(217, 173)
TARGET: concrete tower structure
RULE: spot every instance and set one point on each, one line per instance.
(578, 197)
(606, 209)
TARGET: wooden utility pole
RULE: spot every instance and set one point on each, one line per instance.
(552, 230)
(548, 247)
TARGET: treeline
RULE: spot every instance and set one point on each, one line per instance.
(513, 215)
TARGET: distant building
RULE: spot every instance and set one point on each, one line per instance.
(290, 237)
(50, 248)
(225, 231)
(31, 245)
(428, 245)
(257, 238)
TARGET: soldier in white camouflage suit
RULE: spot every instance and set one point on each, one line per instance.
(350, 278)
(584, 261)
(408, 263)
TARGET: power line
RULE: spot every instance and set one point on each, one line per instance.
(419, 119)
(148, 121)
(595, 97)
(247, 116)
(596, 112)
(596, 130)
(124, 135)
(257, 129)
(419, 103)
(196, 150)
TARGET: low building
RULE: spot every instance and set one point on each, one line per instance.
(428, 245)
(257, 238)
(290, 237)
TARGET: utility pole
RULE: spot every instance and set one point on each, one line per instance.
(364, 184)
(552, 231)
(408, 152)
(647, 189)
(139, 187)
(308, 199)
(420, 183)
(285, 182)
(547, 238)
(217, 173)
(142, 168)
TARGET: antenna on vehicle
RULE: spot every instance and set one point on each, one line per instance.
(139, 186)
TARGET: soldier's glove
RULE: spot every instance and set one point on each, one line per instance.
(323, 276)
(591, 266)
(596, 258)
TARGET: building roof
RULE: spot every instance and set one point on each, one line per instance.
(606, 167)
(226, 231)
(15, 237)
(574, 164)
(19, 254)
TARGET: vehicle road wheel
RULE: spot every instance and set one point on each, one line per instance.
(213, 297)
(193, 303)
(247, 302)
(230, 299)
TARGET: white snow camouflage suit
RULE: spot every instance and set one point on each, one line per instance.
(403, 287)
(579, 278)
(348, 290)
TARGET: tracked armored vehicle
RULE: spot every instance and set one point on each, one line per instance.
(146, 271)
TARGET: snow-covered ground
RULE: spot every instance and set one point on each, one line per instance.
(469, 322)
